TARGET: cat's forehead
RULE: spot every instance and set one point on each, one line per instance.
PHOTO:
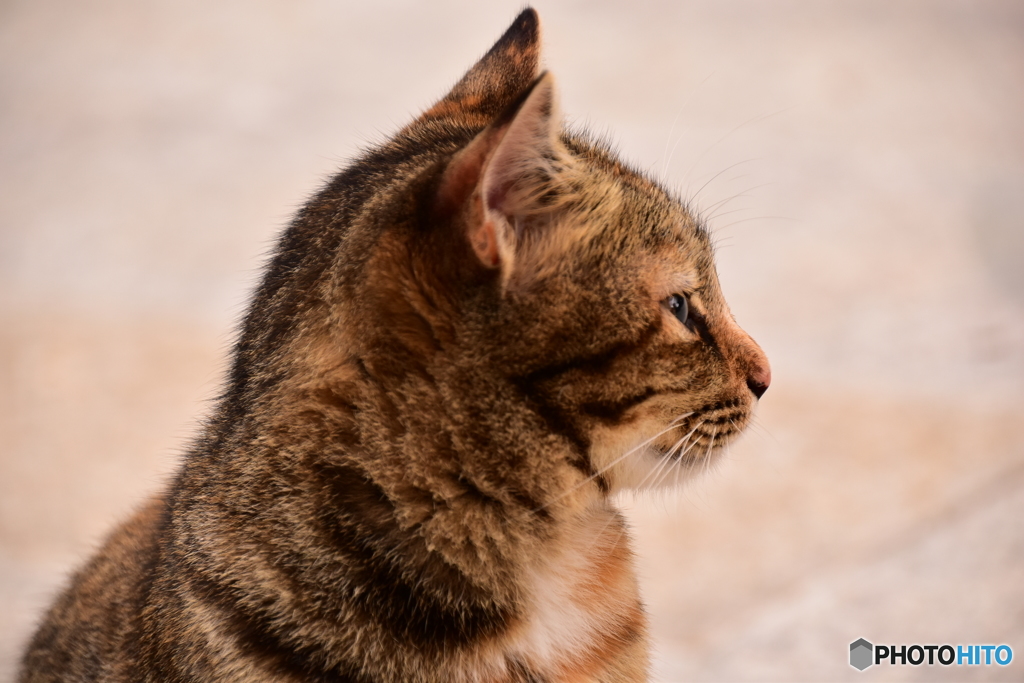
(645, 204)
(678, 256)
(650, 221)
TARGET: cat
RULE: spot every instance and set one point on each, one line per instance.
(461, 348)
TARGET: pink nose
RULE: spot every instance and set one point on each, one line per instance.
(759, 379)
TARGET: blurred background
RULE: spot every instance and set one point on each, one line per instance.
(862, 166)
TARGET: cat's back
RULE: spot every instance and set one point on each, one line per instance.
(87, 634)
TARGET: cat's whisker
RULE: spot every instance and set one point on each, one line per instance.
(722, 242)
(673, 470)
(660, 466)
(686, 103)
(690, 446)
(710, 448)
(673, 459)
(756, 424)
(666, 159)
(687, 438)
(744, 425)
(672, 425)
(707, 211)
(728, 447)
(642, 484)
(753, 119)
(712, 217)
(618, 536)
(756, 218)
(669, 455)
(662, 471)
(597, 537)
(696, 194)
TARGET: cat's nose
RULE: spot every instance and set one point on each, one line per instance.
(749, 360)
(759, 379)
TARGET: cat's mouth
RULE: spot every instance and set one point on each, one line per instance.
(703, 431)
(676, 450)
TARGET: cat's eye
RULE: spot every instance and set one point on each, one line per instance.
(679, 307)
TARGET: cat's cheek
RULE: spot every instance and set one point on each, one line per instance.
(632, 457)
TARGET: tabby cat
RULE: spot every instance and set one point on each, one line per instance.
(463, 345)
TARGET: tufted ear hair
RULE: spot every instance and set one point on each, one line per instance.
(501, 75)
(501, 178)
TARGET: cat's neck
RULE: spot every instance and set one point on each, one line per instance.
(455, 459)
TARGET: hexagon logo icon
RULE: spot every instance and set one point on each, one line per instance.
(861, 652)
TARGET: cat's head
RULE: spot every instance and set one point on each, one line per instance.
(524, 275)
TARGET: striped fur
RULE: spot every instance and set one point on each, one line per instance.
(460, 349)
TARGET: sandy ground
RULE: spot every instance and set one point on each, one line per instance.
(861, 163)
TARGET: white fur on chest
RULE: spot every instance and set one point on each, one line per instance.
(578, 594)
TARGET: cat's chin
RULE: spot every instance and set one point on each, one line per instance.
(650, 467)
(665, 467)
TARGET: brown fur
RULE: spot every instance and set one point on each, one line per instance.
(462, 346)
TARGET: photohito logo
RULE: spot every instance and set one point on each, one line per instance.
(863, 654)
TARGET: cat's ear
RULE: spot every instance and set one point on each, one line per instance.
(499, 77)
(501, 177)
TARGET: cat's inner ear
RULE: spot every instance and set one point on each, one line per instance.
(502, 176)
